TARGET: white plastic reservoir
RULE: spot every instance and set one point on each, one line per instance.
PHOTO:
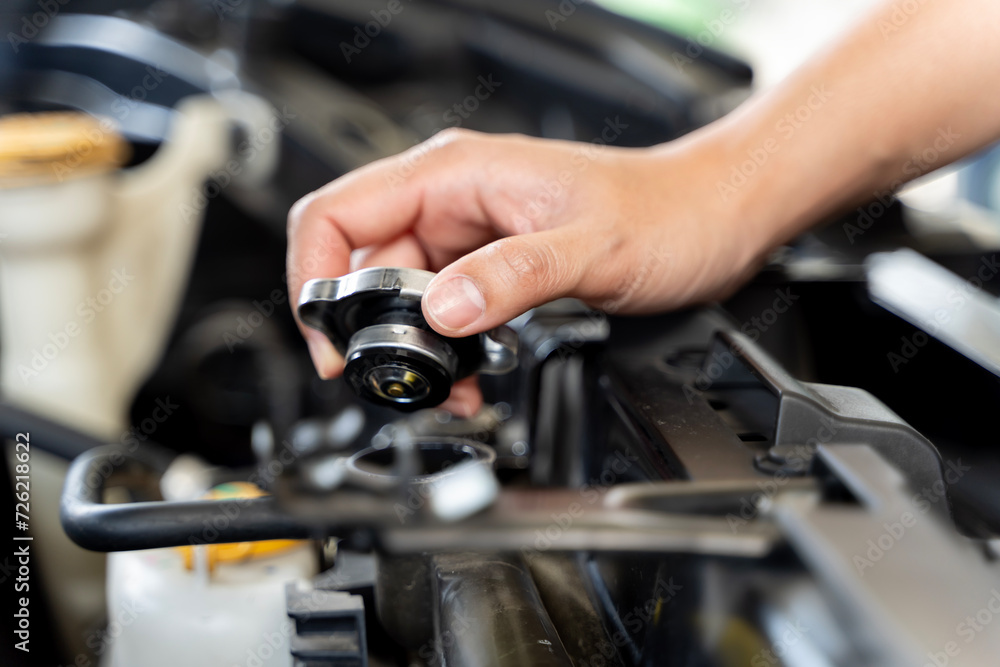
(203, 606)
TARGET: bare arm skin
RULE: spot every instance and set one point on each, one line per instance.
(511, 222)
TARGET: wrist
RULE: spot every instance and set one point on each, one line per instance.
(723, 169)
(752, 187)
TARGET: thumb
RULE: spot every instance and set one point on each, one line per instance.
(503, 280)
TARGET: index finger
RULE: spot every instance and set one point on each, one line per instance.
(324, 227)
(354, 211)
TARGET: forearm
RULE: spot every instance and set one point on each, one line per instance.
(645, 230)
(914, 86)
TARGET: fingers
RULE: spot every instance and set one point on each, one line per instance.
(323, 231)
(379, 205)
(316, 247)
(506, 278)
(402, 251)
(354, 211)
(325, 358)
(466, 399)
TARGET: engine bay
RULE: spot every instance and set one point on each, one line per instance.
(781, 478)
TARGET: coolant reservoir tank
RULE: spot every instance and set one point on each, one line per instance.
(204, 606)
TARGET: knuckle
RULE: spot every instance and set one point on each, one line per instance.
(453, 134)
(529, 264)
(453, 140)
(299, 210)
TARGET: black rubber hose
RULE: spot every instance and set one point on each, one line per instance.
(490, 614)
(47, 435)
(149, 525)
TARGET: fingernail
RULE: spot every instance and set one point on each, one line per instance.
(455, 303)
(323, 355)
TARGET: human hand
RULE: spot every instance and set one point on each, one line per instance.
(511, 222)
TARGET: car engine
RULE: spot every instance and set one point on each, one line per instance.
(800, 475)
